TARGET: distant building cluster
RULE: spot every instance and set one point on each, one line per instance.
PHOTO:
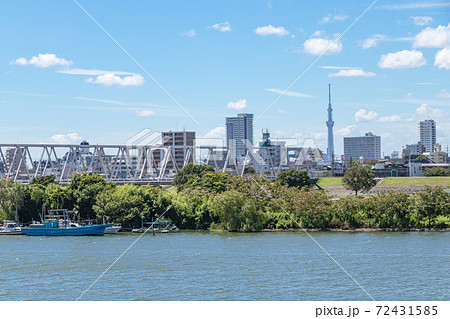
(178, 148)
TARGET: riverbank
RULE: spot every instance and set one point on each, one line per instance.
(361, 230)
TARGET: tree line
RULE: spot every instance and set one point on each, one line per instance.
(204, 199)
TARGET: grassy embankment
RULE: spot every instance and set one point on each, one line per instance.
(394, 181)
(416, 181)
(330, 181)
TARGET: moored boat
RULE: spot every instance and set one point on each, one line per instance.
(10, 228)
(113, 229)
(158, 226)
(61, 225)
(53, 229)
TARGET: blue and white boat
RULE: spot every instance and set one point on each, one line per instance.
(61, 225)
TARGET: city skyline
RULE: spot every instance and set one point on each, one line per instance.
(58, 83)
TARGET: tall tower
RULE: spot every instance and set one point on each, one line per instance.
(330, 124)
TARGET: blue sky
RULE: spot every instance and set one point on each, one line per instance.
(64, 79)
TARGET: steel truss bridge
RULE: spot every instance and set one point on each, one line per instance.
(146, 164)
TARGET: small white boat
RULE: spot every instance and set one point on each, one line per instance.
(113, 229)
(10, 228)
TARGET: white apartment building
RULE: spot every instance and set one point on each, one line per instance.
(366, 147)
(427, 134)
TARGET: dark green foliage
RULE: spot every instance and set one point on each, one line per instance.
(33, 200)
(11, 198)
(127, 204)
(249, 170)
(230, 203)
(358, 178)
(84, 189)
(192, 211)
(436, 171)
(237, 212)
(215, 182)
(44, 180)
(189, 174)
(57, 196)
(430, 203)
(294, 178)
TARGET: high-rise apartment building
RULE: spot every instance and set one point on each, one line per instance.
(427, 134)
(182, 143)
(239, 130)
(367, 147)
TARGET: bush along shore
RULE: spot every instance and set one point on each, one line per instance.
(203, 199)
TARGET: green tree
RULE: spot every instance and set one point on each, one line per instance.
(436, 171)
(11, 198)
(44, 180)
(371, 162)
(236, 212)
(294, 178)
(358, 178)
(215, 182)
(57, 196)
(124, 204)
(249, 170)
(191, 173)
(84, 188)
(32, 203)
(432, 202)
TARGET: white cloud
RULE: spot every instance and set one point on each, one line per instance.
(281, 111)
(43, 61)
(317, 46)
(370, 116)
(66, 138)
(391, 118)
(218, 132)
(110, 79)
(357, 72)
(317, 33)
(238, 105)
(190, 33)
(425, 111)
(363, 116)
(444, 94)
(92, 72)
(402, 60)
(145, 113)
(271, 30)
(333, 18)
(372, 41)
(433, 38)
(346, 130)
(442, 59)
(222, 27)
(288, 93)
(214, 137)
(422, 20)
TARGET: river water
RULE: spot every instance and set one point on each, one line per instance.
(227, 266)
